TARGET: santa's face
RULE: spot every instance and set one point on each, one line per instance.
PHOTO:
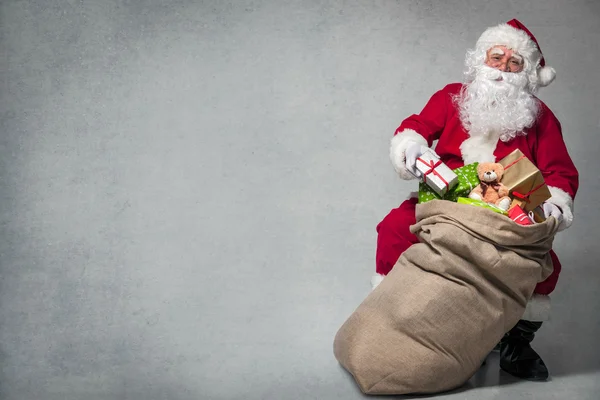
(497, 103)
(504, 59)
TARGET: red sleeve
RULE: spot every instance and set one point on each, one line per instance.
(552, 156)
(432, 119)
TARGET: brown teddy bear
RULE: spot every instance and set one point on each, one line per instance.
(490, 189)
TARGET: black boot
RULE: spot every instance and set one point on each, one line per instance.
(516, 355)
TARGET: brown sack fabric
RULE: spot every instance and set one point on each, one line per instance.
(434, 318)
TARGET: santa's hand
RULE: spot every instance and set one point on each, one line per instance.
(411, 154)
(552, 210)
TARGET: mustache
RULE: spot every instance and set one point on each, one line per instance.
(492, 74)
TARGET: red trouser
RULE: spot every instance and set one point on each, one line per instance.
(394, 237)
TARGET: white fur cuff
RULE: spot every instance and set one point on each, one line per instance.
(538, 308)
(376, 280)
(563, 200)
(398, 145)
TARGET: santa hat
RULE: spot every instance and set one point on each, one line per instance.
(517, 37)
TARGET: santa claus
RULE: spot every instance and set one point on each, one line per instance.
(493, 113)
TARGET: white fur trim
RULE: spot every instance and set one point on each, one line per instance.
(376, 280)
(478, 149)
(513, 38)
(564, 201)
(546, 75)
(398, 145)
(538, 308)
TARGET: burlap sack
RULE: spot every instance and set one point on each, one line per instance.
(434, 318)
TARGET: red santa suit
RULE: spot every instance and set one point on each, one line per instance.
(439, 120)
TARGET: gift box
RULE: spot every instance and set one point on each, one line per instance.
(537, 214)
(517, 214)
(481, 203)
(467, 179)
(436, 174)
(524, 180)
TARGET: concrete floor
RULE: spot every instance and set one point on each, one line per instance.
(189, 190)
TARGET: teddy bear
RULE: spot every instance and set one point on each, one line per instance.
(490, 189)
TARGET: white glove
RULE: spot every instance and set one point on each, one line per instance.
(552, 210)
(411, 154)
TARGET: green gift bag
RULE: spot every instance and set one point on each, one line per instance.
(467, 180)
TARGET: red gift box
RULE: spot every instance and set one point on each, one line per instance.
(519, 216)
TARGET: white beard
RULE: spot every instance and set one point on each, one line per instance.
(492, 110)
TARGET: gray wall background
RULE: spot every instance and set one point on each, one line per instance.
(189, 189)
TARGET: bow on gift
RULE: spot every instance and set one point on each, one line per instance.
(432, 165)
